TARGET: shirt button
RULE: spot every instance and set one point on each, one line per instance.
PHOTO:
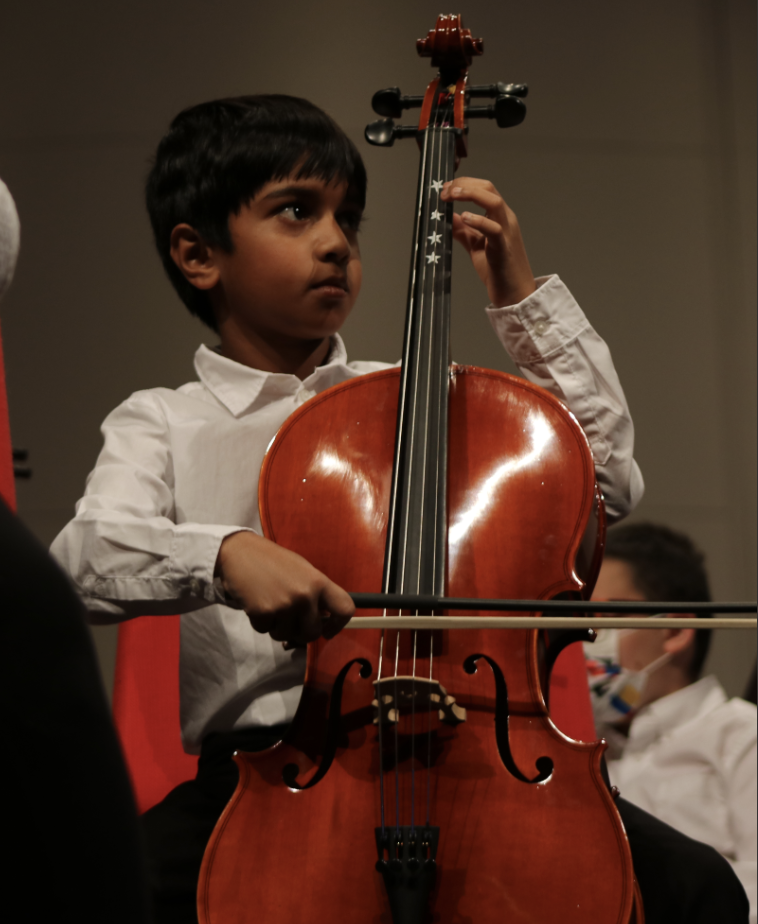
(540, 328)
(303, 395)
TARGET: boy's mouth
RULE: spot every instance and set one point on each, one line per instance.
(332, 285)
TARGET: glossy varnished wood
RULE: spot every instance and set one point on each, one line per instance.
(509, 850)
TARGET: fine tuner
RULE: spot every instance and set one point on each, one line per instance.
(507, 110)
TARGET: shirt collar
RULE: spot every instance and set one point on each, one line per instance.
(236, 386)
(670, 712)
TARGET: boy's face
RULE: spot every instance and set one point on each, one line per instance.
(295, 269)
(616, 583)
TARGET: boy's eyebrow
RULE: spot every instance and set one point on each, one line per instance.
(284, 192)
(291, 190)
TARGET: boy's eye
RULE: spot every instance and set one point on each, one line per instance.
(295, 210)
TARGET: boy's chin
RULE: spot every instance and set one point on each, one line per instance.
(329, 324)
(317, 334)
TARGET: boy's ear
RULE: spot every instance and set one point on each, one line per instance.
(678, 640)
(194, 258)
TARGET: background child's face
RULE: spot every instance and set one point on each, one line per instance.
(295, 270)
(616, 582)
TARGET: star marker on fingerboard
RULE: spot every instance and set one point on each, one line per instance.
(435, 238)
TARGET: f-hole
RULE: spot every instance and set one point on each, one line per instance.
(544, 765)
(291, 771)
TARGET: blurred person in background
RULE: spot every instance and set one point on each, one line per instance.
(679, 748)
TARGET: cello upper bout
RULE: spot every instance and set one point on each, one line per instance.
(521, 488)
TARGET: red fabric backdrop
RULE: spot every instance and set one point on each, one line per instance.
(570, 705)
(146, 707)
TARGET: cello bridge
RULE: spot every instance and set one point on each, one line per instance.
(406, 695)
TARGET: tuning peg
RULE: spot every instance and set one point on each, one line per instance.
(384, 131)
(391, 103)
(506, 110)
(498, 89)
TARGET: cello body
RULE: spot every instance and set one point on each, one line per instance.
(509, 849)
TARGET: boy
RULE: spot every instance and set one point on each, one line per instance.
(684, 752)
(255, 203)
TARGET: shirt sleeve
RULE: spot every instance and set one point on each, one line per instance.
(125, 552)
(551, 341)
(740, 773)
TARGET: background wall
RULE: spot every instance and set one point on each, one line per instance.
(633, 177)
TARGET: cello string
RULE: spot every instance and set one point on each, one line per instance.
(380, 726)
(398, 486)
(413, 734)
(421, 432)
(397, 737)
(432, 406)
(411, 475)
(397, 560)
(428, 411)
(409, 478)
(439, 286)
(429, 733)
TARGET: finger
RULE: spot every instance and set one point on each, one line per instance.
(470, 181)
(337, 609)
(469, 237)
(301, 623)
(487, 198)
(490, 229)
(262, 622)
(284, 626)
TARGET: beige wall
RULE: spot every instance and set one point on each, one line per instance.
(633, 177)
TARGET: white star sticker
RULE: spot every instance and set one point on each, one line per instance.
(437, 185)
(436, 216)
(435, 238)
(432, 258)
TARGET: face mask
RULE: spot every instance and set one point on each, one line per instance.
(615, 691)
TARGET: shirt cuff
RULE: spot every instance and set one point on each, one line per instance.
(187, 579)
(194, 552)
(543, 324)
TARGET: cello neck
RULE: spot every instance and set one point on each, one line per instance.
(417, 529)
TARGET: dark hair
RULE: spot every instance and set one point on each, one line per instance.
(666, 565)
(216, 156)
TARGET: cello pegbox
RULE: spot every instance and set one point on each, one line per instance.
(449, 45)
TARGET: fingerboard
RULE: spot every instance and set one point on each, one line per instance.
(417, 529)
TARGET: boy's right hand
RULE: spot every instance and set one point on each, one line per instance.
(280, 591)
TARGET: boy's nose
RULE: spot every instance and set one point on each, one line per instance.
(334, 245)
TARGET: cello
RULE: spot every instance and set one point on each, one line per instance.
(422, 778)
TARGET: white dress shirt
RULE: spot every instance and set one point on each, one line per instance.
(691, 761)
(179, 470)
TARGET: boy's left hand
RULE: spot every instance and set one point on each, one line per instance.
(493, 240)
